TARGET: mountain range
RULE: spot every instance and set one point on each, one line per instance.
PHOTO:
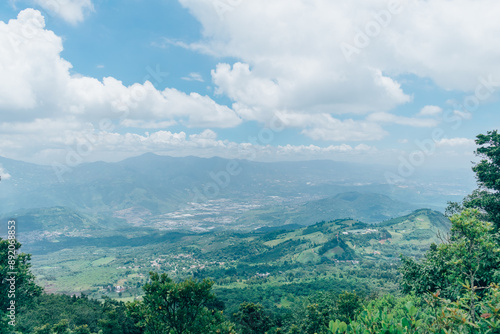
(157, 185)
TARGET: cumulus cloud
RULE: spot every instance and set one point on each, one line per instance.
(462, 114)
(384, 117)
(33, 55)
(72, 11)
(325, 127)
(292, 60)
(193, 77)
(289, 65)
(430, 111)
(456, 142)
(3, 174)
(70, 147)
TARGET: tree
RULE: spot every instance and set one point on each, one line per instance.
(114, 319)
(178, 308)
(17, 282)
(83, 329)
(470, 258)
(487, 197)
(252, 319)
(347, 305)
(61, 327)
(322, 307)
(488, 169)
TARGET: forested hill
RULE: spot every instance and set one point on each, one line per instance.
(280, 267)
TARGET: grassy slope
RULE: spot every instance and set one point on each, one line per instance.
(290, 256)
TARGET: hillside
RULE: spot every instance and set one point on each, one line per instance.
(421, 226)
(366, 207)
(86, 263)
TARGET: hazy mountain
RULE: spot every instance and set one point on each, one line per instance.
(159, 185)
(366, 207)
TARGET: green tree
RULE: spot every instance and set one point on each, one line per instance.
(487, 197)
(62, 327)
(45, 329)
(14, 272)
(315, 320)
(115, 320)
(252, 319)
(83, 329)
(470, 258)
(347, 306)
(178, 308)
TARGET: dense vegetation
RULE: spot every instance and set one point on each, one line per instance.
(453, 288)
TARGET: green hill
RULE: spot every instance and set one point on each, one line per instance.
(421, 226)
(366, 207)
(297, 254)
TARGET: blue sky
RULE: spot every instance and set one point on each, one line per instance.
(281, 80)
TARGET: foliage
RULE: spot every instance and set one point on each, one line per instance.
(253, 319)
(178, 308)
(313, 317)
(453, 289)
(82, 315)
(14, 272)
(24, 279)
(373, 320)
(436, 315)
(471, 255)
(487, 197)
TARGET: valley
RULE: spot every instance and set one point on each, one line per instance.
(275, 234)
(343, 251)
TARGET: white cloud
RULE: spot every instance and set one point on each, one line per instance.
(348, 130)
(430, 111)
(292, 60)
(289, 64)
(86, 143)
(3, 174)
(33, 55)
(193, 77)
(457, 142)
(72, 11)
(462, 114)
(384, 117)
(327, 128)
(132, 123)
(72, 143)
(305, 88)
(338, 152)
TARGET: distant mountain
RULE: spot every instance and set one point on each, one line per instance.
(190, 187)
(52, 220)
(366, 207)
(161, 183)
(60, 219)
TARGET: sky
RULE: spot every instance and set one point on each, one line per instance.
(406, 83)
